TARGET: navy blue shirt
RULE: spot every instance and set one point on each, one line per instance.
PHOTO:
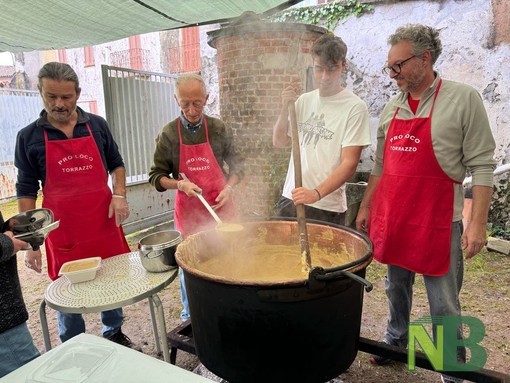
(30, 153)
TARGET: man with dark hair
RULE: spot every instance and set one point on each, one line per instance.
(429, 135)
(333, 127)
(71, 153)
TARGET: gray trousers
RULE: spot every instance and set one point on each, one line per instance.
(442, 292)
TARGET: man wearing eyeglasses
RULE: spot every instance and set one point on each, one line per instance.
(333, 127)
(201, 147)
(428, 137)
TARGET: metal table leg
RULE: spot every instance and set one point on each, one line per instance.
(154, 325)
(160, 319)
(44, 325)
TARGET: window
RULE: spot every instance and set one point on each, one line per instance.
(135, 53)
(185, 56)
(93, 107)
(88, 53)
(62, 55)
(191, 49)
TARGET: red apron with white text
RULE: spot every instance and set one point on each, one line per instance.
(199, 164)
(77, 192)
(412, 206)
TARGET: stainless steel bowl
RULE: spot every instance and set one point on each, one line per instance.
(157, 250)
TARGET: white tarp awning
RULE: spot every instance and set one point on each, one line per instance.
(27, 25)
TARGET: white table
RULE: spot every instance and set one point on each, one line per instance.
(120, 281)
(91, 359)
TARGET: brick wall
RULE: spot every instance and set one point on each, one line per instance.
(255, 62)
(501, 10)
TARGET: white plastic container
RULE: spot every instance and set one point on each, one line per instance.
(76, 363)
(81, 270)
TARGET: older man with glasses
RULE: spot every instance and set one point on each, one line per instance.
(202, 148)
(428, 137)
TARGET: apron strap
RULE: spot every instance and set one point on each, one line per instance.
(205, 127)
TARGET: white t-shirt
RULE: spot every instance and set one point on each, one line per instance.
(325, 126)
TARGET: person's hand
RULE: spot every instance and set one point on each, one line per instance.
(289, 94)
(362, 219)
(225, 195)
(304, 196)
(188, 188)
(18, 244)
(473, 239)
(119, 207)
(33, 260)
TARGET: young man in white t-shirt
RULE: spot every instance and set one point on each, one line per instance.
(333, 127)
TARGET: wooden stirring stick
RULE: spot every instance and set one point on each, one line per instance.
(300, 209)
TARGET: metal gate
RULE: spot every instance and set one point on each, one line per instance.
(138, 104)
(18, 108)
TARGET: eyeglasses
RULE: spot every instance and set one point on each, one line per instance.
(196, 104)
(396, 68)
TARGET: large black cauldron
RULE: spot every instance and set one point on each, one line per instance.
(300, 331)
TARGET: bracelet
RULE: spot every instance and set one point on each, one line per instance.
(118, 196)
(229, 187)
(319, 194)
(179, 183)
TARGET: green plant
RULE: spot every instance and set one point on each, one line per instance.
(328, 14)
(479, 263)
(501, 232)
(499, 210)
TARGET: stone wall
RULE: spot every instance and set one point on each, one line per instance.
(475, 37)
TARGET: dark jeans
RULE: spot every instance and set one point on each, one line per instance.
(442, 292)
(286, 208)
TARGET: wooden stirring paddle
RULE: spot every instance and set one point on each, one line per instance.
(300, 209)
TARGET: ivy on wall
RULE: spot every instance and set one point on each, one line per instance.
(327, 15)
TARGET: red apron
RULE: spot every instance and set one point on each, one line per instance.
(77, 192)
(412, 207)
(201, 168)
